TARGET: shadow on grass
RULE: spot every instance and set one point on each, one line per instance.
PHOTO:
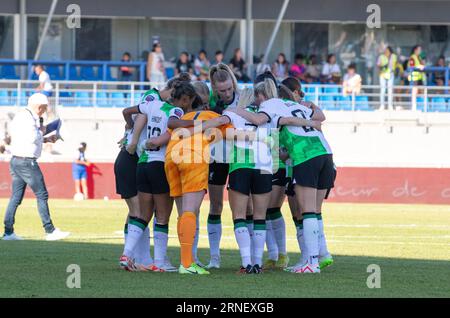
(39, 269)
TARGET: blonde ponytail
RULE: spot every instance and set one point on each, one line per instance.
(246, 97)
(267, 88)
(222, 73)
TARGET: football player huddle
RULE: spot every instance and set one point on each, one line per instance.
(265, 143)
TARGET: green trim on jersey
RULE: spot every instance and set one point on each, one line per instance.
(143, 158)
(302, 148)
(166, 108)
(153, 92)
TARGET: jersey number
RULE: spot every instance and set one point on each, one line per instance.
(154, 132)
(295, 114)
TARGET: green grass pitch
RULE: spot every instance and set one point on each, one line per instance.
(410, 243)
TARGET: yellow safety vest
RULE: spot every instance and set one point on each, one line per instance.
(385, 71)
(415, 75)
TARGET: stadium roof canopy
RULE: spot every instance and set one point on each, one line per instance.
(392, 11)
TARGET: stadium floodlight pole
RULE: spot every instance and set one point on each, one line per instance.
(275, 30)
(44, 31)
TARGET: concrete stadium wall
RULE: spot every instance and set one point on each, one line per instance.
(361, 185)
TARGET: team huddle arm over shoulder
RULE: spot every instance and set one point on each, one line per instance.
(174, 123)
(255, 118)
(296, 121)
(128, 112)
(159, 141)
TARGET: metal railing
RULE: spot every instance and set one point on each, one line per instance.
(329, 97)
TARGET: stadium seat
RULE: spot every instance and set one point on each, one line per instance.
(420, 101)
(8, 71)
(108, 74)
(310, 98)
(23, 99)
(344, 102)
(53, 72)
(66, 99)
(170, 72)
(82, 99)
(327, 102)
(137, 98)
(73, 74)
(118, 99)
(362, 103)
(87, 73)
(438, 104)
(331, 90)
(4, 99)
(102, 99)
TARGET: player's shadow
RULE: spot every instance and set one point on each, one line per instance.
(42, 269)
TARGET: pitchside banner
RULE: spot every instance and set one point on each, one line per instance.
(363, 185)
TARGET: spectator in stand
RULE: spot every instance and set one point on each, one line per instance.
(331, 72)
(184, 65)
(313, 69)
(156, 72)
(417, 77)
(352, 81)
(298, 68)
(260, 66)
(45, 86)
(238, 66)
(218, 57)
(439, 76)
(202, 65)
(126, 72)
(280, 68)
(386, 64)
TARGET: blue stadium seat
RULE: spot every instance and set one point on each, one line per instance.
(420, 101)
(137, 98)
(4, 99)
(73, 74)
(87, 73)
(54, 72)
(327, 102)
(108, 74)
(344, 102)
(310, 98)
(66, 99)
(170, 71)
(438, 104)
(331, 90)
(8, 72)
(23, 98)
(118, 99)
(102, 99)
(362, 103)
(82, 99)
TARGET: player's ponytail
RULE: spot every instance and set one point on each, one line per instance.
(183, 89)
(293, 85)
(246, 97)
(182, 77)
(202, 91)
(285, 93)
(221, 73)
(267, 88)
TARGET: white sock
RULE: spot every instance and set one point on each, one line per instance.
(271, 243)
(143, 255)
(323, 249)
(279, 232)
(249, 223)
(214, 228)
(160, 238)
(244, 241)
(125, 236)
(258, 239)
(311, 235)
(195, 244)
(301, 242)
(135, 231)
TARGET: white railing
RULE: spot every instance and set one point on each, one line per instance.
(329, 97)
